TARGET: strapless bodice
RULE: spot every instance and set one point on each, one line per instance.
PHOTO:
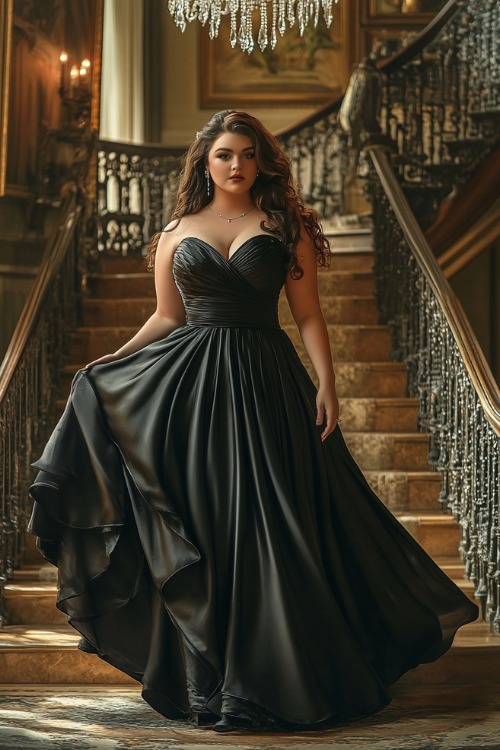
(240, 291)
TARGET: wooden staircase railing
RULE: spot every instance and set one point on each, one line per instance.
(459, 400)
(29, 381)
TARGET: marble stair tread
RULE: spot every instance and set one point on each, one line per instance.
(388, 450)
(403, 490)
(395, 413)
(436, 532)
(38, 636)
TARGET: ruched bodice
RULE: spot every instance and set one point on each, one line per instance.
(240, 291)
(209, 544)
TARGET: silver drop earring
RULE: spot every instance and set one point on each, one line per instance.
(207, 175)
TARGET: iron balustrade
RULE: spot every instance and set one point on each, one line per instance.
(30, 376)
(459, 401)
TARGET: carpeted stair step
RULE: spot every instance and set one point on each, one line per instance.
(30, 599)
(345, 283)
(473, 659)
(378, 450)
(117, 312)
(406, 490)
(359, 343)
(361, 309)
(437, 533)
(379, 414)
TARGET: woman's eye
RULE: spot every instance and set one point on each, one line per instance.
(249, 156)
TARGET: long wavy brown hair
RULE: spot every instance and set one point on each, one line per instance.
(273, 192)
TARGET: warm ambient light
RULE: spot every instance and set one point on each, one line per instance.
(83, 71)
(63, 57)
(74, 72)
(85, 63)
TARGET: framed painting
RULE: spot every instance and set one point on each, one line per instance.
(33, 37)
(307, 70)
(402, 11)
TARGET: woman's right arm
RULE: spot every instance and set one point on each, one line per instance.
(169, 313)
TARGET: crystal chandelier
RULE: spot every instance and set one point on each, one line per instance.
(274, 15)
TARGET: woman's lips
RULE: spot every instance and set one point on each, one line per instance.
(236, 178)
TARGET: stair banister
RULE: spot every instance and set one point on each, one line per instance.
(29, 379)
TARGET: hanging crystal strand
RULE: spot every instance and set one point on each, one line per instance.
(233, 8)
(203, 11)
(215, 13)
(242, 37)
(249, 30)
(262, 38)
(273, 29)
(327, 11)
(301, 16)
(290, 13)
(314, 12)
(281, 17)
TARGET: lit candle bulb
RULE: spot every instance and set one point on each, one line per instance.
(85, 63)
(63, 57)
(74, 75)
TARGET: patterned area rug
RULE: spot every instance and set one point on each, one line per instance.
(68, 717)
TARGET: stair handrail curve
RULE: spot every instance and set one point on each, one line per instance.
(29, 379)
(459, 400)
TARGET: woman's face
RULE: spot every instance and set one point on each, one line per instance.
(232, 164)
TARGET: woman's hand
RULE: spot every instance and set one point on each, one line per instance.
(327, 409)
(102, 360)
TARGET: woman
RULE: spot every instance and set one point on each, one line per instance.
(214, 536)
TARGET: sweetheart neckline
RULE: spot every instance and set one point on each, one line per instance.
(230, 258)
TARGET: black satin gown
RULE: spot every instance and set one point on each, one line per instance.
(209, 544)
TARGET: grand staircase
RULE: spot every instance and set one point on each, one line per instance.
(379, 424)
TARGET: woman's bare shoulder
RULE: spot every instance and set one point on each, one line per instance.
(173, 233)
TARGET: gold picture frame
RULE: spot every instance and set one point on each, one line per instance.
(401, 12)
(22, 140)
(297, 73)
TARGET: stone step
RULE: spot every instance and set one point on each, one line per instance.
(346, 283)
(31, 600)
(379, 414)
(358, 343)
(473, 659)
(349, 342)
(132, 285)
(134, 312)
(343, 259)
(370, 379)
(437, 533)
(117, 312)
(361, 309)
(387, 450)
(406, 490)
(48, 655)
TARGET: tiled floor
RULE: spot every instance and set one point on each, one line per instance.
(41, 717)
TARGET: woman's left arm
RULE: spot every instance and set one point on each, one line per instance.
(303, 298)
